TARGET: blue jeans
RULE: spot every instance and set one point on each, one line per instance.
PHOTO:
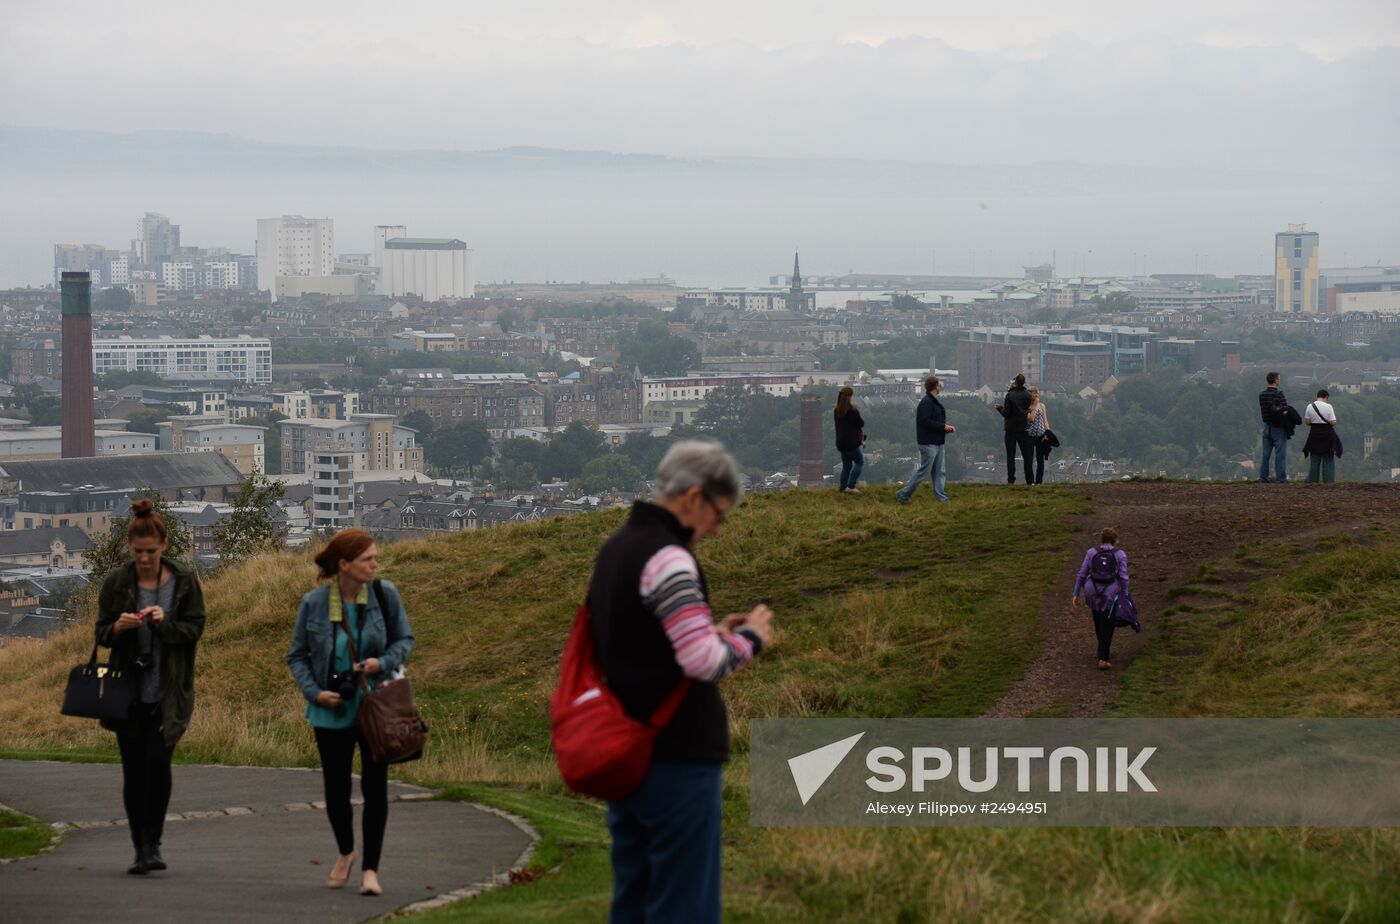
(852, 461)
(930, 467)
(666, 847)
(1275, 440)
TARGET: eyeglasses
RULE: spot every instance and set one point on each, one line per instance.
(719, 514)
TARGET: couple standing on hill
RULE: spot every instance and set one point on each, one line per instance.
(150, 613)
(1323, 446)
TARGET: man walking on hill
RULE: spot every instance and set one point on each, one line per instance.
(1016, 408)
(931, 428)
(1273, 410)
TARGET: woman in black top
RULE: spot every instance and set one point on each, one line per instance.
(151, 614)
(850, 434)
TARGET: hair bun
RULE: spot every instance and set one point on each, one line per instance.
(143, 508)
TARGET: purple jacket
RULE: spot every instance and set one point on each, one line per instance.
(1100, 598)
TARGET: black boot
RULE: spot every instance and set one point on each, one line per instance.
(154, 861)
(142, 866)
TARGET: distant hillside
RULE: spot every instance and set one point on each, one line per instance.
(166, 153)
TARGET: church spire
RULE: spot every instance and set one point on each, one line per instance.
(795, 299)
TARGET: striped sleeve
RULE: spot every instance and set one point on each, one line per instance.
(671, 589)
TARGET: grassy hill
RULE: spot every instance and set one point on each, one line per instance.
(884, 611)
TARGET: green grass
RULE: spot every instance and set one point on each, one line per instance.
(21, 836)
(882, 610)
(1319, 641)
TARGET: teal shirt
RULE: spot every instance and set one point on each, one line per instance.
(320, 716)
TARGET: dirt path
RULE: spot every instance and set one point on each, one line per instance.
(1168, 530)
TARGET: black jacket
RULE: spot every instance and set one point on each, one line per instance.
(179, 632)
(636, 655)
(1271, 406)
(848, 430)
(1016, 408)
(930, 422)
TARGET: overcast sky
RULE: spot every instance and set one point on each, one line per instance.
(1092, 80)
(1302, 90)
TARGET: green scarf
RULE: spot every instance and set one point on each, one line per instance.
(338, 606)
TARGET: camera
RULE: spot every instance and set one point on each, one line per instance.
(343, 683)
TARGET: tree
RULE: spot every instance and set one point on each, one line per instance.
(45, 412)
(657, 352)
(113, 299)
(110, 551)
(250, 528)
(1114, 303)
(570, 450)
(612, 472)
(272, 439)
(121, 378)
(459, 448)
(420, 421)
(145, 420)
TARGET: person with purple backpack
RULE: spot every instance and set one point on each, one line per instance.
(1103, 577)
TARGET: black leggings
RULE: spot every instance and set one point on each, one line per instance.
(1103, 628)
(145, 775)
(337, 747)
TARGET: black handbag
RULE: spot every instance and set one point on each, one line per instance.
(98, 691)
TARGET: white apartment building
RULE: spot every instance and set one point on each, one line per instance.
(373, 442)
(319, 404)
(294, 246)
(697, 387)
(431, 268)
(247, 359)
(332, 486)
(178, 277)
(221, 274)
(241, 445)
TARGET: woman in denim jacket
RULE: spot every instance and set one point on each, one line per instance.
(350, 605)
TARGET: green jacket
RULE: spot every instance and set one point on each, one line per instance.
(178, 633)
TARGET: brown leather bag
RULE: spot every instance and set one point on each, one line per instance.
(388, 716)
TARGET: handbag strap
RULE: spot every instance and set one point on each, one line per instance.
(664, 712)
(1320, 418)
(354, 656)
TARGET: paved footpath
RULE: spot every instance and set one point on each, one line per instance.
(244, 844)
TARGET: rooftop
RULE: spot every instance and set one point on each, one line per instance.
(424, 243)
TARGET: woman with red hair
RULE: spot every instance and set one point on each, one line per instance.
(339, 617)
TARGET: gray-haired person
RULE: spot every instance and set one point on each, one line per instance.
(653, 629)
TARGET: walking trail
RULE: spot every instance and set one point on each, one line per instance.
(244, 844)
(1168, 530)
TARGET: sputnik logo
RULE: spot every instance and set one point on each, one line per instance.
(812, 769)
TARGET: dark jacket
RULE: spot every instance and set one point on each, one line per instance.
(387, 636)
(1271, 406)
(1323, 440)
(848, 429)
(1016, 408)
(930, 421)
(178, 632)
(637, 657)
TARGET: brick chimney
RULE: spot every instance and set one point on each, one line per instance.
(78, 440)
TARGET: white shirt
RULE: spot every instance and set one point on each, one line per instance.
(1321, 407)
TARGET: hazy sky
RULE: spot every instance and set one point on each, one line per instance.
(901, 78)
(1302, 89)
